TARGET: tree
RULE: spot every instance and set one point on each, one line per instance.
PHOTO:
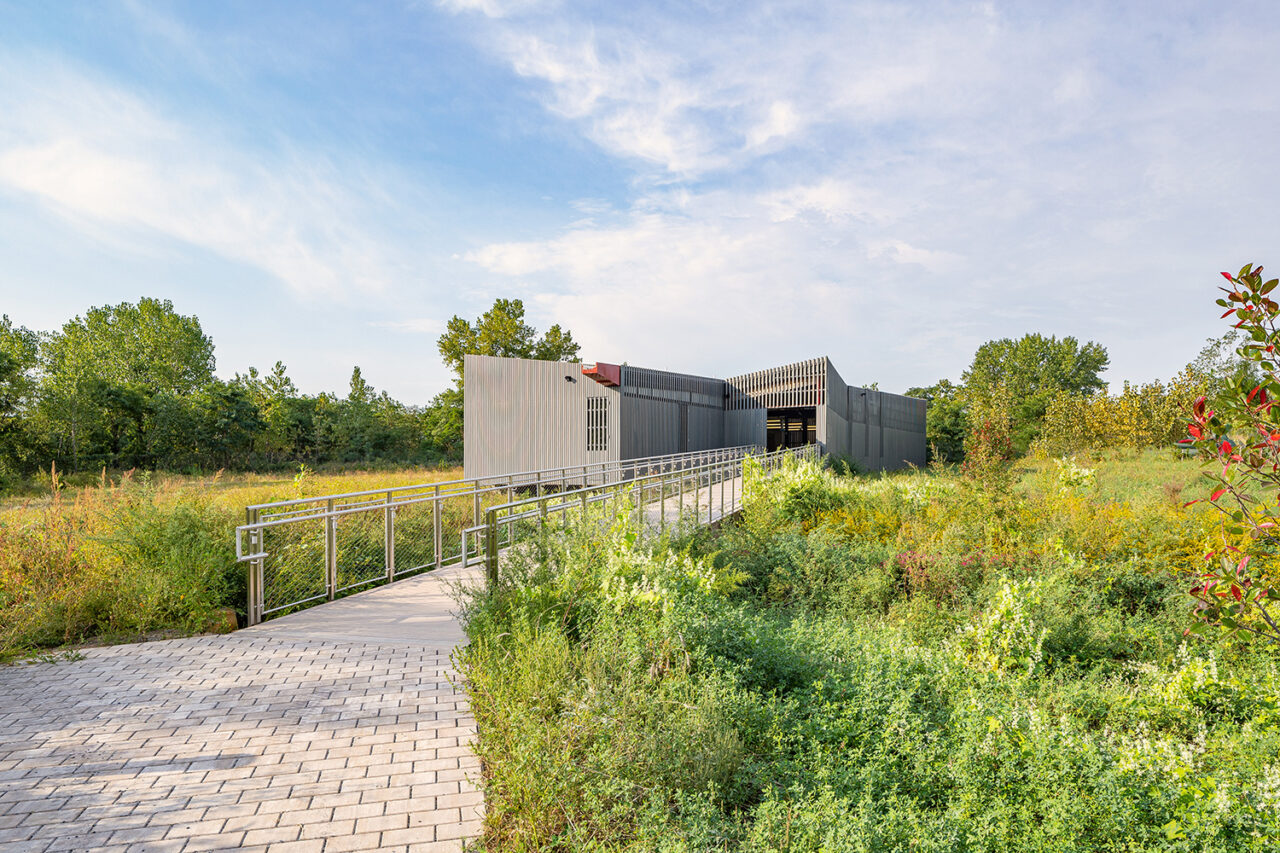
(947, 421)
(500, 331)
(230, 424)
(1031, 371)
(276, 397)
(142, 351)
(443, 422)
(19, 349)
(147, 345)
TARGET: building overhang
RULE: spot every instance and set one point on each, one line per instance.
(609, 375)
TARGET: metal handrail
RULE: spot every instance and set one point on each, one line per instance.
(327, 510)
(540, 507)
(537, 476)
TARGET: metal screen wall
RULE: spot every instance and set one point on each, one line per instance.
(801, 384)
(665, 412)
(674, 387)
(521, 414)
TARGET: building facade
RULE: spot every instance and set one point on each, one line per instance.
(526, 415)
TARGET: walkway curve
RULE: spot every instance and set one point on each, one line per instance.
(331, 730)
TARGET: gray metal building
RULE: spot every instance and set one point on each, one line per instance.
(526, 415)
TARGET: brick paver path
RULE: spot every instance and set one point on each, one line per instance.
(335, 729)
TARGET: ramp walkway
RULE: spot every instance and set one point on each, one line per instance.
(322, 730)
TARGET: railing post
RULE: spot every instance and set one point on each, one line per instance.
(680, 510)
(255, 606)
(697, 496)
(389, 538)
(711, 494)
(437, 529)
(330, 551)
(491, 548)
(662, 500)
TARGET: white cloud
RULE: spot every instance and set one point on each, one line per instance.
(415, 325)
(711, 282)
(781, 122)
(97, 154)
(491, 8)
(830, 198)
(896, 184)
(904, 253)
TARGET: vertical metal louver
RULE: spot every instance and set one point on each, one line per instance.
(597, 424)
(801, 384)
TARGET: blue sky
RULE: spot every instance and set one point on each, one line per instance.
(710, 187)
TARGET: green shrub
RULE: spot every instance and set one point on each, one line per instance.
(863, 665)
(116, 564)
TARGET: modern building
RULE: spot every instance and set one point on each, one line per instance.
(525, 415)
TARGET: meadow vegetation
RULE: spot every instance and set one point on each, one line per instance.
(139, 554)
(922, 661)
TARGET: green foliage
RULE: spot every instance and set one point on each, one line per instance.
(143, 345)
(1030, 372)
(19, 352)
(988, 447)
(947, 422)
(131, 386)
(1072, 476)
(1140, 416)
(846, 669)
(115, 563)
(500, 331)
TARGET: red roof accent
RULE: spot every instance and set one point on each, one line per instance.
(605, 374)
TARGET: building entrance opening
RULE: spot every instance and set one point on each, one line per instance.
(791, 427)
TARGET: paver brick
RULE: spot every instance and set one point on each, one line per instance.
(220, 841)
(414, 835)
(315, 845)
(353, 843)
(253, 821)
(358, 810)
(437, 816)
(271, 836)
(459, 829)
(328, 828)
(381, 823)
(258, 738)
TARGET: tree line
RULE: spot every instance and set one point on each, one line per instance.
(133, 386)
(1047, 394)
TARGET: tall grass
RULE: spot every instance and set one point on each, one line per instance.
(139, 554)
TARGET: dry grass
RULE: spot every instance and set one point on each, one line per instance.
(137, 554)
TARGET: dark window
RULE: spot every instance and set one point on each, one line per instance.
(597, 423)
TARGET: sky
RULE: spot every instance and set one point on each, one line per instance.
(707, 187)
